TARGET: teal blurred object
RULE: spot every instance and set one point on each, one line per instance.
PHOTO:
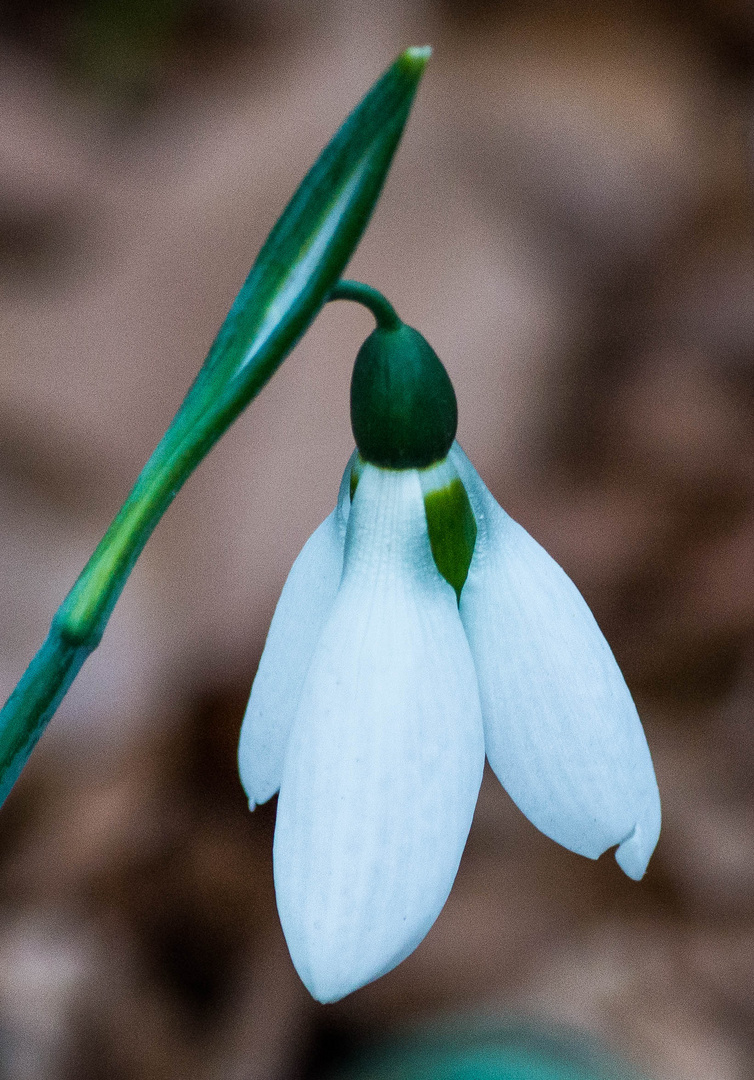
(300, 262)
(481, 1049)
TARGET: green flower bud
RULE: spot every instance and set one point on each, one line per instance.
(403, 406)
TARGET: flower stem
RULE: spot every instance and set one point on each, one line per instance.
(381, 308)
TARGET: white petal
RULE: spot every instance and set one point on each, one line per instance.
(385, 757)
(301, 612)
(562, 732)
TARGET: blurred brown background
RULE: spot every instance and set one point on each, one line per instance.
(569, 221)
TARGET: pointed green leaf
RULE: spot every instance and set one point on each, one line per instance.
(300, 262)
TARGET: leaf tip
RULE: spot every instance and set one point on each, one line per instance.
(415, 58)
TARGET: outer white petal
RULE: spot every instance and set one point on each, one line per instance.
(562, 732)
(301, 612)
(385, 757)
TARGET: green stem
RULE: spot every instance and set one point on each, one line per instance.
(291, 279)
(380, 306)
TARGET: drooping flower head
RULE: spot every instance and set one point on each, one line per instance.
(419, 628)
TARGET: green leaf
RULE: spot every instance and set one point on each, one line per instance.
(300, 262)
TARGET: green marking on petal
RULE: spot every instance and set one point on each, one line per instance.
(356, 470)
(450, 523)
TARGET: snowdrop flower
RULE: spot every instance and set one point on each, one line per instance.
(420, 628)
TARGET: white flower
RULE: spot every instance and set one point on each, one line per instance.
(377, 696)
